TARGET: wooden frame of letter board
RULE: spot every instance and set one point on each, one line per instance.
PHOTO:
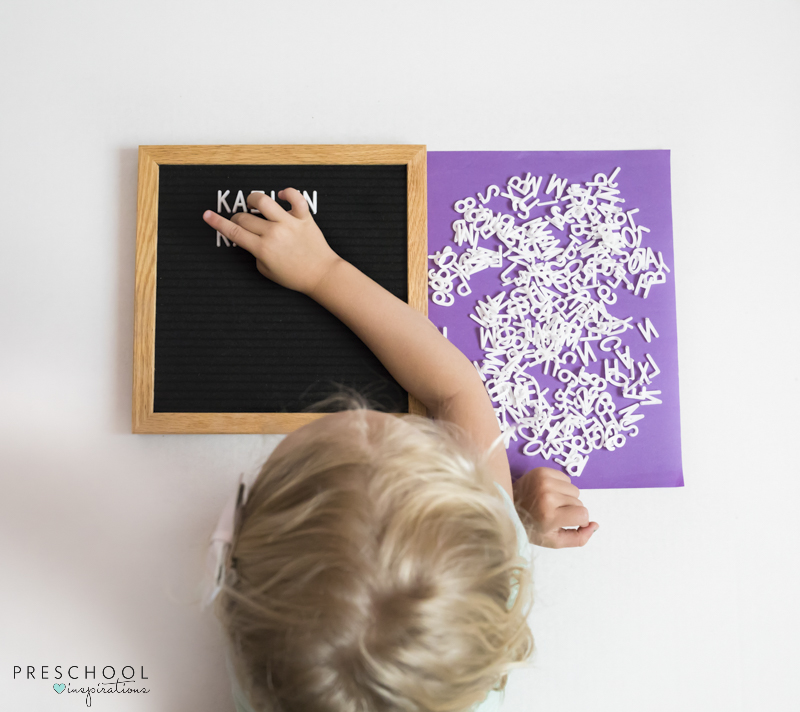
(150, 158)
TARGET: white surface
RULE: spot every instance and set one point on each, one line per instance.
(686, 599)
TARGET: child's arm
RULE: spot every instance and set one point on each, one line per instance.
(290, 249)
(417, 355)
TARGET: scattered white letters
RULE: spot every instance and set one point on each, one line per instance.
(554, 311)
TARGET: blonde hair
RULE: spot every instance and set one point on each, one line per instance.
(377, 572)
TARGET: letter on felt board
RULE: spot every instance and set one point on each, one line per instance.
(219, 348)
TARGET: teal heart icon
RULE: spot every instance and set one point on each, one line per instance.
(59, 687)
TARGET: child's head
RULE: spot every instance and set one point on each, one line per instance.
(377, 568)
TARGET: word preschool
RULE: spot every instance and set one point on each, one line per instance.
(240, 203)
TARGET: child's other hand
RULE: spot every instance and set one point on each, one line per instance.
(552, 501)
(288, 246)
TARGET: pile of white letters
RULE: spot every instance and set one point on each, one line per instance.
(554, 306)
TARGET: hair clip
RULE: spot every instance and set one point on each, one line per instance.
(220, 562)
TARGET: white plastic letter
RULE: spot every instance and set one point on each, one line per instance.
(239, 202)
(647, 330)
(311, 203)
(221, 201)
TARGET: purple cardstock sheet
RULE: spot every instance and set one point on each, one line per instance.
(653, 457)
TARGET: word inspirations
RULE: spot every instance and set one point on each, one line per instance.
(118, 687)
(124, 682)
(240, 203)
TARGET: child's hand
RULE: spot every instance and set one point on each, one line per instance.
(288, 246)
(552, 501)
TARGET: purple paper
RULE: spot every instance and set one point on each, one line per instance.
(653, 457)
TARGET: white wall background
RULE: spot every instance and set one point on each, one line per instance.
(686, 599)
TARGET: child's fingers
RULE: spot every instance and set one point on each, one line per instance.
(554, 474)
(561, 476)
(567, 499)
(575, 537)
(571, 515)
(251, 223)
(268, 207)
(232, 231)
(564, 488)
(297, 201)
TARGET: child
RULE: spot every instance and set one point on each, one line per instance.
(379, 562)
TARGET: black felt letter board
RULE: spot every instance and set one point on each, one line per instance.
(228, 340)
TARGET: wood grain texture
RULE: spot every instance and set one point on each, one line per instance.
(227, 423)
(286, 154)
(144, 316)
(145, 420)
(417, 168)
(230, 423)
